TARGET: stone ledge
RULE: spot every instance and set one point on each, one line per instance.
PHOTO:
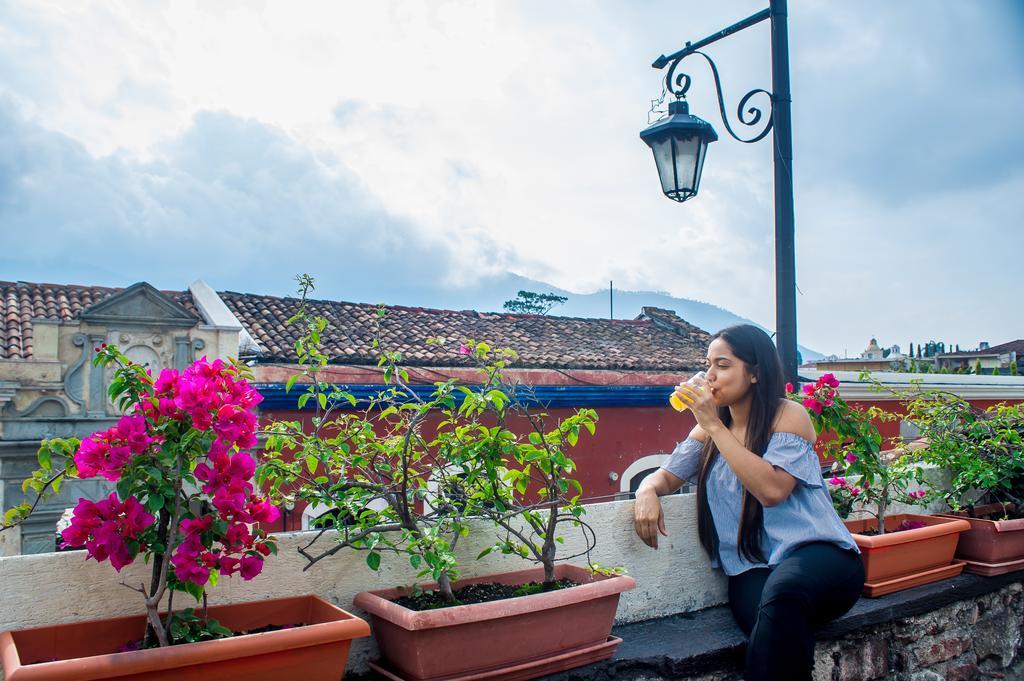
(708, 641)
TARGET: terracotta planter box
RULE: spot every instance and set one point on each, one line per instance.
(515, 638)
(900, 560)
(991, 547)
(88, 650)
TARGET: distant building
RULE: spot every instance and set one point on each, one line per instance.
(999, 357)
(874, 358)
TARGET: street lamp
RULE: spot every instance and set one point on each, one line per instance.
(679, 142)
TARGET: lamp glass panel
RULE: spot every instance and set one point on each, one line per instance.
(665, 161)
(700, 164)
(688, 159)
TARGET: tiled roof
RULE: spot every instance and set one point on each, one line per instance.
(24, 302)
(1012, 346)
(658, 340)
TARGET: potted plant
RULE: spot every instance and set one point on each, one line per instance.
(899, 551)
(184, 501)
(404, 489)
(983, 449)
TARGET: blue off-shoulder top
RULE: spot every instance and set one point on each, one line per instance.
(805, 516)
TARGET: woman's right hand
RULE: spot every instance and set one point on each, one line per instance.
(648, 517)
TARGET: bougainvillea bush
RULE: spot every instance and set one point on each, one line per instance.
(862, 473)
(184, 498)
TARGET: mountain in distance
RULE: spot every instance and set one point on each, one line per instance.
(490, 295)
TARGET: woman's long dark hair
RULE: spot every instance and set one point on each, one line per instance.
(755, 349)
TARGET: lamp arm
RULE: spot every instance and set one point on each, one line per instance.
(678, 85)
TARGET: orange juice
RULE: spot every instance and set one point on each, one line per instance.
(698, 381)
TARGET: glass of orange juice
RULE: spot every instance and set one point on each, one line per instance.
(698, 381)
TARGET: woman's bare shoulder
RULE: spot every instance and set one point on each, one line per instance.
(793, 418)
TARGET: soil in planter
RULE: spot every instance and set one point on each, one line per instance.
(478, 593)
(902, 527)
(138, 643)
(1010, 513)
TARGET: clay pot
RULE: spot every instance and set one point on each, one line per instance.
(515, 638)
(900, 560)
(88, 650)
(991, 547)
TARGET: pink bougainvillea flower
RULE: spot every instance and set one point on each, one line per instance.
(228, 565)
(829, 380)
(238, 536)
(789, 388)
(855, 491)
(808, 389)
(236, 426)
(837, 481)
(813, 404)
(104, 528)
(106, 452)
(250, 567)
(166, 383)
(132, 430)
(189, 559)
(850, 457)
(465, 349)
(262, 511)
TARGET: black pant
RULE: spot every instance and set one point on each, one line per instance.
(780, 607)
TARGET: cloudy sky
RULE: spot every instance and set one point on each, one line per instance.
(392, 148)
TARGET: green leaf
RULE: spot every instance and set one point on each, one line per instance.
(322, 398)
(373, 560)
(194, 590)
(485, 552)
(290, 382)
(311, 463)
(44, 458)
(415, 561)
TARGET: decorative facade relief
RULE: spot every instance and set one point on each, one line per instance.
(61, 394)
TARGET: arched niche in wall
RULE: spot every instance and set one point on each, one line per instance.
(629, 481)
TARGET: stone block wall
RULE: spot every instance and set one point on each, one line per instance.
(969, 640)
(979, 638)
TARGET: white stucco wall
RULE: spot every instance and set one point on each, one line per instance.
(64, 587)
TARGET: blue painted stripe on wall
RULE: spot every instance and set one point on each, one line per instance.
(275, 397)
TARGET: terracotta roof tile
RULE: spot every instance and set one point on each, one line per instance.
(24, 302)
(658, 340)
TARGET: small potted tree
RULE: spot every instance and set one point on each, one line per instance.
(983, 449)
(901, 550)
(184, 501)
(404, 489)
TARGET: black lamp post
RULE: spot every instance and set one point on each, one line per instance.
(680, 141)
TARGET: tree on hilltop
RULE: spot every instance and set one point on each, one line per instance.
(528, 302)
